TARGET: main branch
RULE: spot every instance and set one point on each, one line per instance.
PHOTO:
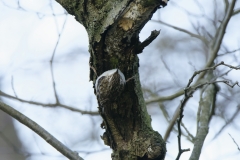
(113, 29)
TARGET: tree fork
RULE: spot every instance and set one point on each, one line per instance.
(113, 29)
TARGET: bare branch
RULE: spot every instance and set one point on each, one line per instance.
(164, 111)
(159, 99)
(182, 30)
(213, 50)
(188, 92)
(49, 104)
(217, 41)
(180, 150)
(40, 131)
(191, 89)
(147, 41)
(196, 84)
(203, 118)
(210, 69)
(236, 11)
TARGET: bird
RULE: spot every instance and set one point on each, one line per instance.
(156, 151)
(109, 86)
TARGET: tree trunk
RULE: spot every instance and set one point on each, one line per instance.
(113, 29)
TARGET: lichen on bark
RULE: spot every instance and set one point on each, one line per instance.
(113, 29)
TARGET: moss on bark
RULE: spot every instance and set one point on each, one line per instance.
(113, 29)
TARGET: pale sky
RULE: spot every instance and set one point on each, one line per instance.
(27, 40)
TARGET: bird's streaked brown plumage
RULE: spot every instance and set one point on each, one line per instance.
(109, 85)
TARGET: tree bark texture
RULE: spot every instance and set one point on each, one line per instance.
(113, 28)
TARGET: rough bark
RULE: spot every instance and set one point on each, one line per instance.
(113, 28)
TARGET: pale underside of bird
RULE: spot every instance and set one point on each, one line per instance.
(110, 85)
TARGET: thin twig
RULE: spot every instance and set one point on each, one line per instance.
(229, 52)
(228, 122)
(174, 77)
(188, 132)
(40, 131)
(12, 85)
(39, 14)
(166, 116)
(182, 104)
(210, 69)
(234, 141)
(54, 50)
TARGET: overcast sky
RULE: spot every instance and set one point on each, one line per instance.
(28, 36)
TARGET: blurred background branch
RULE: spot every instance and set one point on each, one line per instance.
(40, 131)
